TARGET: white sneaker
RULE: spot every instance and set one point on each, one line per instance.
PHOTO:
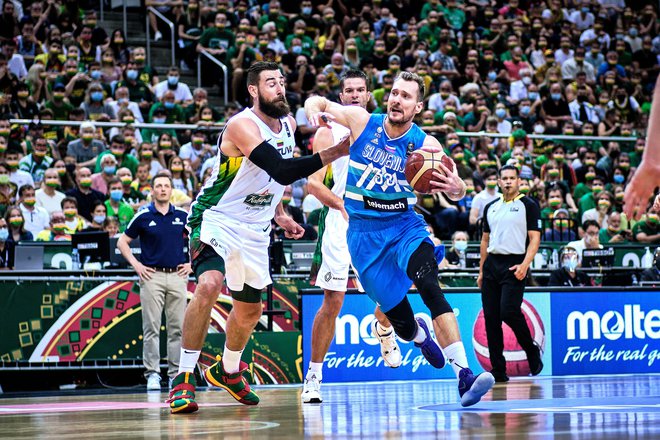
(153, 382)
(389, 348)
(158, 36)
(312, 391)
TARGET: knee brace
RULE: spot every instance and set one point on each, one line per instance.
(403, 320)
(423, 270)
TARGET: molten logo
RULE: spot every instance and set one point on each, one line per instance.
(632, 324)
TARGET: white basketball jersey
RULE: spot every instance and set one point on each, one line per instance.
(237, 187)
(338, 170)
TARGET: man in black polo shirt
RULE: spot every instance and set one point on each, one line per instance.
(163, 272)
(84, 194)
(511, 237)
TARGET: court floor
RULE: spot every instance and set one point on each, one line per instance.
(594, 407)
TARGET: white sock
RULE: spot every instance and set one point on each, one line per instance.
(315, 369)
(420, 336)
(456, 356)
(383, 331)
(231, 360)
(188, 360)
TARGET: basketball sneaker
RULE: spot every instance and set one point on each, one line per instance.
(312, 390)
(153, 382)
(389, 349)
(430, 349)
(182, 395)
(234, 383)
(471, 388)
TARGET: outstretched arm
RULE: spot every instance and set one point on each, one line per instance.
(322, 140)
(245, 140)
(352, 116)
(647, 175)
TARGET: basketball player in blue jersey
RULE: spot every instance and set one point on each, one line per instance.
(388, 241)
(332, 259)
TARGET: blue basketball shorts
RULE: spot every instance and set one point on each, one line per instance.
(380, 251)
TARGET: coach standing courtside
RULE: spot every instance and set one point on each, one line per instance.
(163, 275)
(511, 237)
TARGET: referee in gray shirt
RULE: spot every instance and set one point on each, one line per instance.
(511, 237)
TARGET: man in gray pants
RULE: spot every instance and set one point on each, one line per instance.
(163, 275)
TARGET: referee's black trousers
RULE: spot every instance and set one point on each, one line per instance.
(501, 297)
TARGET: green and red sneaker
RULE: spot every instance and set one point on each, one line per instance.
(182, 395)
(235, 383)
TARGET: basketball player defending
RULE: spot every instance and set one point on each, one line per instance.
(229, 230)
(332, 260)
(387, 240)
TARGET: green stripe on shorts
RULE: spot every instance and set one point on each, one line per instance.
(318, 255)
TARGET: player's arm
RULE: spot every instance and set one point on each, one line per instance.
(291, 228)
(446, 181)
(241, 138)
(352, 116)
(322, 140)
(647, 175)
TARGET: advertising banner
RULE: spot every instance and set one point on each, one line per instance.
(354, 354)
(606, 332)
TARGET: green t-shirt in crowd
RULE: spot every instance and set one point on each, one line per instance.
(124, 214)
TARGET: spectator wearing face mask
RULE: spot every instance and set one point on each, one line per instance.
(101, 179)
(115, 206)
(94, 105)
(6, 247)
(87, 147)
(159, 115)
(602, 211)
(98, 216)
(459, 245)
(590, 239)
(560, 227)
(613, 232)
(648, 229)
(84, 194)
(74, 222)
(181, 91)
(567, 275)
(57, 230)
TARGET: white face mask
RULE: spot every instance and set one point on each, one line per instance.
(461, 245)
(570, 264)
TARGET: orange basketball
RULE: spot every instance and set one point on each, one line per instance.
(420, 166)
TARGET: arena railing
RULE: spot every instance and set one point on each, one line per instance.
(220, 125)
(219, 64)
(167, 22)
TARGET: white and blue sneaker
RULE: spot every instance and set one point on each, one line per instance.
(389, 348)
(472, 388)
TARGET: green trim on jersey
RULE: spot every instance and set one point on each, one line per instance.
(328, 179)
(318, 254)
(213, 191)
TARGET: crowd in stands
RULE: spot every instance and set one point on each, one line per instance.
(513, 67)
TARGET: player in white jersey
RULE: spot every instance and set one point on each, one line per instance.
(332, 259)
(229, 225)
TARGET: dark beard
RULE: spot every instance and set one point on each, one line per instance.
(402, 122)
(274, 109)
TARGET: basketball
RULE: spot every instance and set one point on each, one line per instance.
(420, 166)
(516, 358)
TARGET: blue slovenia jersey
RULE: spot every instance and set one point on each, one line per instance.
(376, 186)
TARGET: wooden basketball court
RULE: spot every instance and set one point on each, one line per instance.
(598, 407)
